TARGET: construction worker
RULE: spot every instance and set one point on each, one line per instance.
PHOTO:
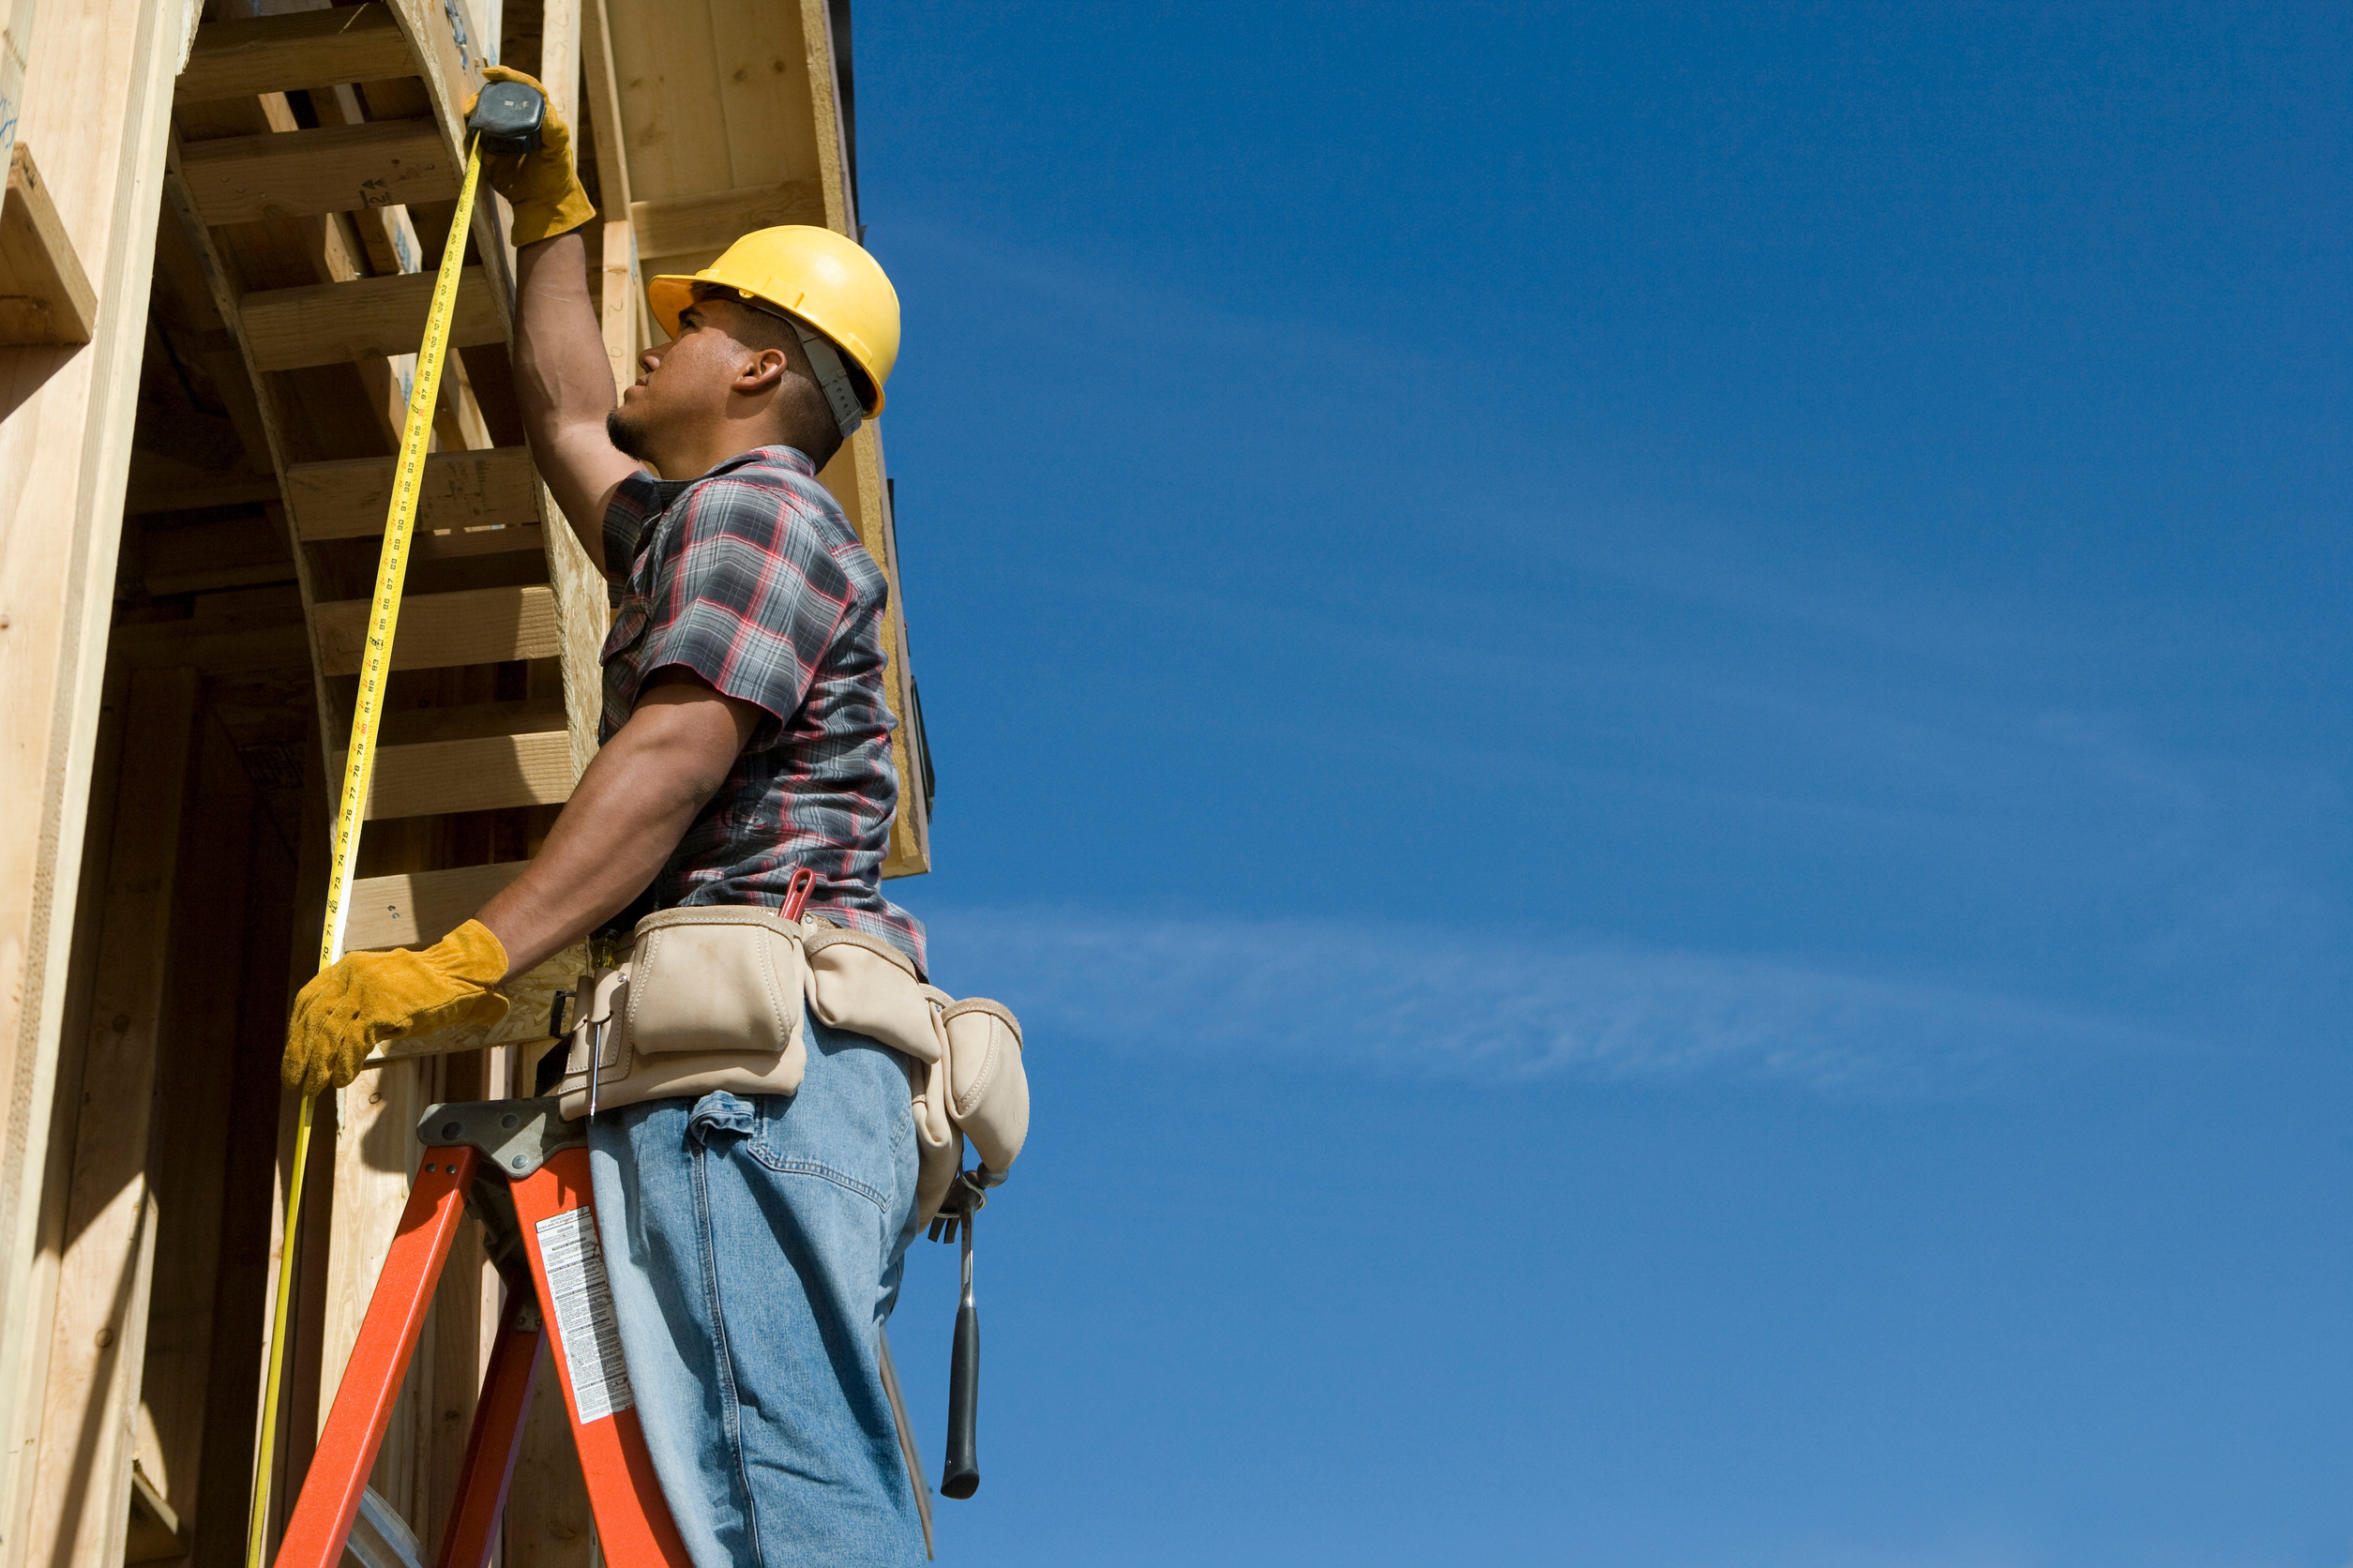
(754, 1243)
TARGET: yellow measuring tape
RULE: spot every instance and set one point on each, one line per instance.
(359, 765)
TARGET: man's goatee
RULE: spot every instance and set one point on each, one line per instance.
(623, 435)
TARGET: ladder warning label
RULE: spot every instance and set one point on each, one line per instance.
(583, 1313)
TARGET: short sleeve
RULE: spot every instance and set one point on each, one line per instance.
(749, 597)
(636, 500)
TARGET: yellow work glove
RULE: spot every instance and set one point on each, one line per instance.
(365, 999)
(542, 187)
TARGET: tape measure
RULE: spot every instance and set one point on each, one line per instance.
(500, 106)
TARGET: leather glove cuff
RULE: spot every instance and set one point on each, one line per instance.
(535, 220)
(472, 954)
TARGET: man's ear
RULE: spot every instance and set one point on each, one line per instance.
(762, 371)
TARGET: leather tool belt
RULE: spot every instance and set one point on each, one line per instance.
(711, 998)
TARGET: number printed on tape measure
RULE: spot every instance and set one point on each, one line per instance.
(583, 1314)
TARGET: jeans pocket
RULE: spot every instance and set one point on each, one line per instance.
(792, 1155)
(786, 1166)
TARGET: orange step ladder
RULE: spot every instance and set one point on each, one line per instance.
(524, 1171)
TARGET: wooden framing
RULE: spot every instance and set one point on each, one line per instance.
(302, 173)
(284, 197)
(234, 59)
(45, 296)
(97, 120)
(99, 1328)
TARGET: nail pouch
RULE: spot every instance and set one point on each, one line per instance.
(710, 998)
(860, 983)
(989, 1089)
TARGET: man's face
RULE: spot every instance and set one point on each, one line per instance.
(681, 384)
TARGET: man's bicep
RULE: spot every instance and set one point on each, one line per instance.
(680, 695)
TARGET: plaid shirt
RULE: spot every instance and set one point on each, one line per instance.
(751, 578)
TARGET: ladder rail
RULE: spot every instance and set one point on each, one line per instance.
(495, 1442)
(554, 1229)
(330, 1495)
(633, 1523)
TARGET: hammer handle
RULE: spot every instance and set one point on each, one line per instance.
(960, 1474)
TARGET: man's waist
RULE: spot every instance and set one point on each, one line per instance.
(894, 926)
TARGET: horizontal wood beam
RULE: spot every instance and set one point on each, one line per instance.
(300, 173)
(368, 318)
(240, 490)
(476, 626)
(306, 48)
(485, 774)
(420, 907)
(45, 295)
(162, 644)
(348, 500)
(449, 543)
(468, 721)
(684, 225)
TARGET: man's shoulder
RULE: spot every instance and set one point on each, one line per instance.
(786, 510)
(778, 496)
(725, 521)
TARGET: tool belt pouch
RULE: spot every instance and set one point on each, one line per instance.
(862, 984)
(709, 997)
(989, 1089)
(939, 1143)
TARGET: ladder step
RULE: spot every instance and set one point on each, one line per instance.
(485, 774)
(368, 318)
(477, 626)
(297, 173)
(348, 500)
(418, 907)
(306, 48)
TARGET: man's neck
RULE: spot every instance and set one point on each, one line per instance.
(695, 461)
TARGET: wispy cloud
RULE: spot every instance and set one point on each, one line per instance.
(1415, 999)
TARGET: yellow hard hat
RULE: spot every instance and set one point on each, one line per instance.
(820, 276)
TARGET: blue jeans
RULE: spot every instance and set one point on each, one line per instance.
(754, 1244)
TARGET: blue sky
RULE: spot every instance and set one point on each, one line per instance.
(1648, 706)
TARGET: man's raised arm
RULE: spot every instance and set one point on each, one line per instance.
(565, 384)
(562, 380)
